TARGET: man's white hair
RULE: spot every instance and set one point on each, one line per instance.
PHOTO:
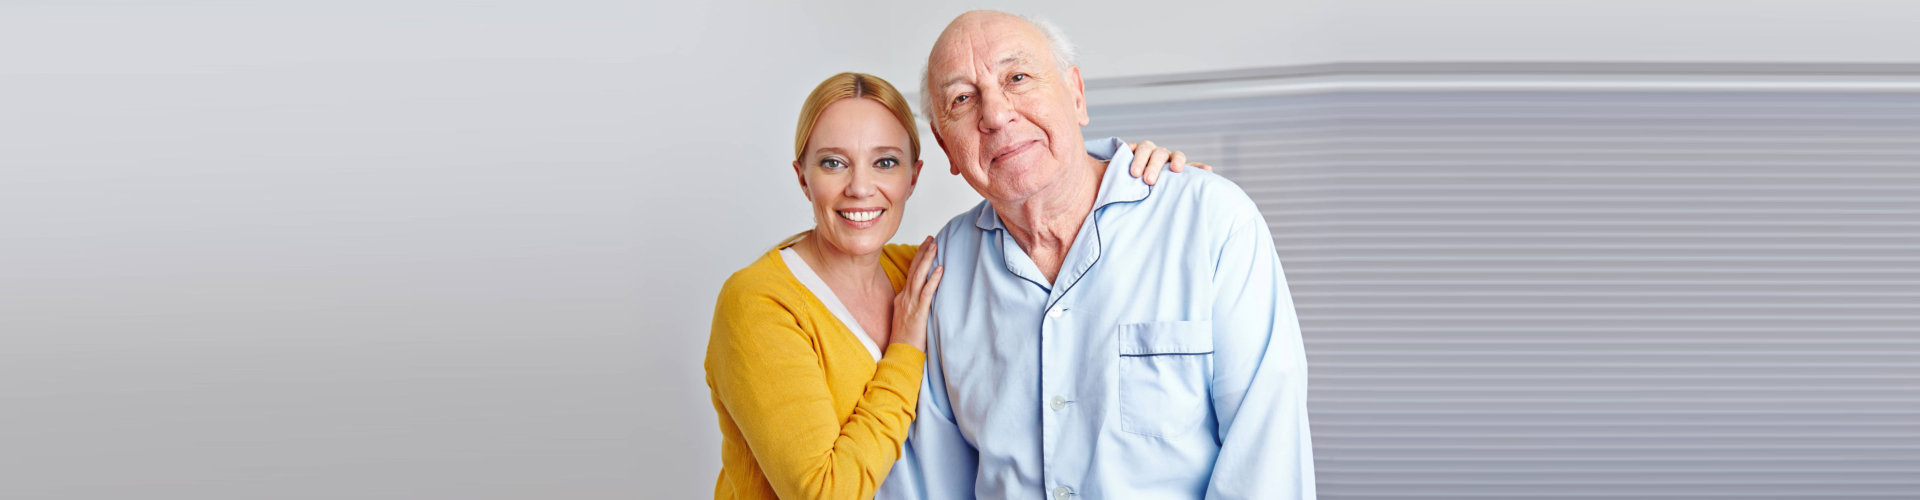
(1063, 57)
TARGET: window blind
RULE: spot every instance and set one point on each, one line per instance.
(1589, 293)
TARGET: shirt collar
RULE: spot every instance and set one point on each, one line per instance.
(1117, 184)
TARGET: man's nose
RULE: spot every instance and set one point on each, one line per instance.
(996, 111)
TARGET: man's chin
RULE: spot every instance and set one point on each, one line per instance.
(1017, 171)
(1027, 160)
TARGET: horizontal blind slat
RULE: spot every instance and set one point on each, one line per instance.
(1589, 294)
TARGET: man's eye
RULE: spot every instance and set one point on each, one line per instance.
(887, 163)
(1019, 77)
(961, 98)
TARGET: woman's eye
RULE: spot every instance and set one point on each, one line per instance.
(831, 163)
(887, 163)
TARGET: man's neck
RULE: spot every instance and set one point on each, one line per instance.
(1046, 223)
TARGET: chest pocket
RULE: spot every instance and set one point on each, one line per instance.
(1164, 372)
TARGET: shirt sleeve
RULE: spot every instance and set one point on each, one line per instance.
(938, 463)
(770, 381)
(1260, 370)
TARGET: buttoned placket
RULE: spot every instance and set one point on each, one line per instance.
(1056, 410)
(1050, 417)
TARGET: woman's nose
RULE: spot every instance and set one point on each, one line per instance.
(861, 185)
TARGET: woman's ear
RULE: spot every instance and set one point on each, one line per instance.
(916, 172)
(798, 173)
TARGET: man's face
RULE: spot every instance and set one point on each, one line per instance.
(1008, 118)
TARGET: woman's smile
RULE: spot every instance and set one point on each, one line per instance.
(860, 218)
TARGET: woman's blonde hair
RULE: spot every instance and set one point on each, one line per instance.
(851, 86)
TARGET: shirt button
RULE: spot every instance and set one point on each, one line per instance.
(1059, 403)
(1055, 313)
(1061, 493)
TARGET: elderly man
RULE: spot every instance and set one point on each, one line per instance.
(1093, 337)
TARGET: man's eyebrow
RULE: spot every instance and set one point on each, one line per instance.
(1015, 58)
(954, 80)
(1018, 57)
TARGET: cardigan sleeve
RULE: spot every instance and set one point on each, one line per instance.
(899, 258)
(768, 376)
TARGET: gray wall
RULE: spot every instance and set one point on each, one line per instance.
(417, 249)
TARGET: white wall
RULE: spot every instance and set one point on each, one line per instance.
(426, 248)
(1127, 38)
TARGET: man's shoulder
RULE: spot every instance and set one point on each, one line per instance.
(964, 227)
(1202, 191)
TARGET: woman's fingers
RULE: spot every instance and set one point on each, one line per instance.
(1154, 162)
(926, 293)
(1178, 163)
(921, 268)
(921, 263)
(913, 280)
(1139, 165)
(1202, 166)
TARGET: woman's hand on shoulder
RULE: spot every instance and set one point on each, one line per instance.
(911, 305)
(1149, 158)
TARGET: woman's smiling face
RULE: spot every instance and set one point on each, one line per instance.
(858, 174)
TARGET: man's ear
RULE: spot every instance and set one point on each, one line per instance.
(797, 173)
(1079, 89)
(942, 141)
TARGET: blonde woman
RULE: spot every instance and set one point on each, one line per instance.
(817, 348)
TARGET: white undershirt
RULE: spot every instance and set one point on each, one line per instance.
(820, 290)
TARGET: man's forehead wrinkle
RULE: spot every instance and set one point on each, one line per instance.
(960, 54)
(957, 77)
(975, 46)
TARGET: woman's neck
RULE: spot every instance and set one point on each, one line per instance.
(841, 270)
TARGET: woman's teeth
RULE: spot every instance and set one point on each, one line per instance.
(861, 216)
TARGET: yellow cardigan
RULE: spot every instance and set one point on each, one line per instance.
(805, 411)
